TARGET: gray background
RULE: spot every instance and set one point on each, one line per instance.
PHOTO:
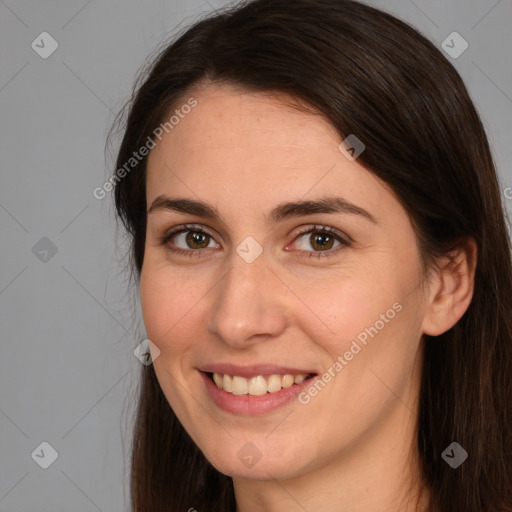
(68, 375)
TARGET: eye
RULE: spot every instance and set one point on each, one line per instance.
(315, 241)
(188, 239)
(320, 239)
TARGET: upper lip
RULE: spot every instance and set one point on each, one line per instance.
(252, 370)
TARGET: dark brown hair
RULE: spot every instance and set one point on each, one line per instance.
(374, 76)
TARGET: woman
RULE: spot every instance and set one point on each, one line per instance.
(325, 271)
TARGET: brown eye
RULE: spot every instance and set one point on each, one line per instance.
(188, 239)
(197, 239)
(321, 241)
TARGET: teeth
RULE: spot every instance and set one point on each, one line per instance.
(274, 383)
(239, 386)
(256, 386)
(287, 380)
(226, 383)
(217, 378)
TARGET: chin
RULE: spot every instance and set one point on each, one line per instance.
(248, 464)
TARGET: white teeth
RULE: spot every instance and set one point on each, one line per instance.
(239, 386)
(217, 378)
(258, 385)
(274, 383)
(226, 383)
(287, 380)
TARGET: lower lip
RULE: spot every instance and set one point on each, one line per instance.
(251, 405)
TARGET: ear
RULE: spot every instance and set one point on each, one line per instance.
(451, 288)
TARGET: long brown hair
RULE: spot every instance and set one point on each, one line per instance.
(371, 75)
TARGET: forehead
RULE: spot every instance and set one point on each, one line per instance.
(239, 147)
(245, 122)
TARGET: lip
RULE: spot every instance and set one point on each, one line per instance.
(249, 405)
(248, 371)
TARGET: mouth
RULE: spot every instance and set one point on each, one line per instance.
(257, 385)
(254, 389)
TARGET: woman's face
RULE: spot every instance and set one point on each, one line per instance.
(295, 261)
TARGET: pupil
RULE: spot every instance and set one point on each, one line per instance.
(323, 241)
(196, 239)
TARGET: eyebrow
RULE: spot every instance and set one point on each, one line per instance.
(280, 212)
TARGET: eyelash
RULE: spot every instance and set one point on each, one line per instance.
(344, 242)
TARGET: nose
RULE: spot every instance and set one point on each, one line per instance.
(249, 304)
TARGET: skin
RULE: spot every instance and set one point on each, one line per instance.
(351, 447)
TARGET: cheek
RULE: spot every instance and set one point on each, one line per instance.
(368, 330)
(344, 305)
(165, 306)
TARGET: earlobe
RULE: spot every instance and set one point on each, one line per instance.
(451, 289)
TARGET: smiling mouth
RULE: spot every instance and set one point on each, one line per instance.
(258, 385)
